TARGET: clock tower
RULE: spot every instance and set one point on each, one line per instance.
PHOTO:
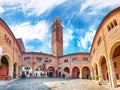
(57, 37)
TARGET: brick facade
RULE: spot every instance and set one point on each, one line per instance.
(103, 59)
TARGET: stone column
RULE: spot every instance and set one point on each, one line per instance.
(80, 75)
(17, 71)
(94, 74)
(100, 72)
(112, 74)
(108, 71)
(70, 74)
(10, 71)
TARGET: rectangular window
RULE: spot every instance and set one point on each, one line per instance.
(85, 59)
(58, 67)
(46, 61)
(93, 51)
(50, 60)
(115, 65)
(39, 59)
(66, 60)
(36, 69)
(26, 58)
(115, 22)
(112, 26)
(27, 68)
(99, 40)
(117, 76)
(27, 72)
(74, 59)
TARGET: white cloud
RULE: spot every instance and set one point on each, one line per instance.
(67, 37)
(88, 38)
(29, 48)
(31, 7)
(97, 5)
(1, 10)
(30, 32)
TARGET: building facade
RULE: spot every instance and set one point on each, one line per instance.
(103, 59)
(105, 49)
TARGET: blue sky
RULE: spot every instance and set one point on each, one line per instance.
(31, 20)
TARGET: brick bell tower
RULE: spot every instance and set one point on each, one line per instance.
(57, 37)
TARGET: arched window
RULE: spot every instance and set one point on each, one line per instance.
(115, 23)
(111, 25)
(108, 28)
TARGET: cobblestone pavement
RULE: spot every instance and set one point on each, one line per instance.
(52, 84)
(74, 84)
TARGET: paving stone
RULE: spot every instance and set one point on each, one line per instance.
(52, 84)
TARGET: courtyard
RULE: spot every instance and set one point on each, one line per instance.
(52, 84)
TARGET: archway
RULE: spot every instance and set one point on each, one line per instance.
(67, 70)
(75, 72)
(51, 72)
(85, 72)
(4, 68)
(103, 68)
(92, 73)
(115, 57)
(15, 70)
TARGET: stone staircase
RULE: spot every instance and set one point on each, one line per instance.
(3, 72)
(3, 77)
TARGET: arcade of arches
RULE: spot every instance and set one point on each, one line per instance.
(76, 73)
(109, 72)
